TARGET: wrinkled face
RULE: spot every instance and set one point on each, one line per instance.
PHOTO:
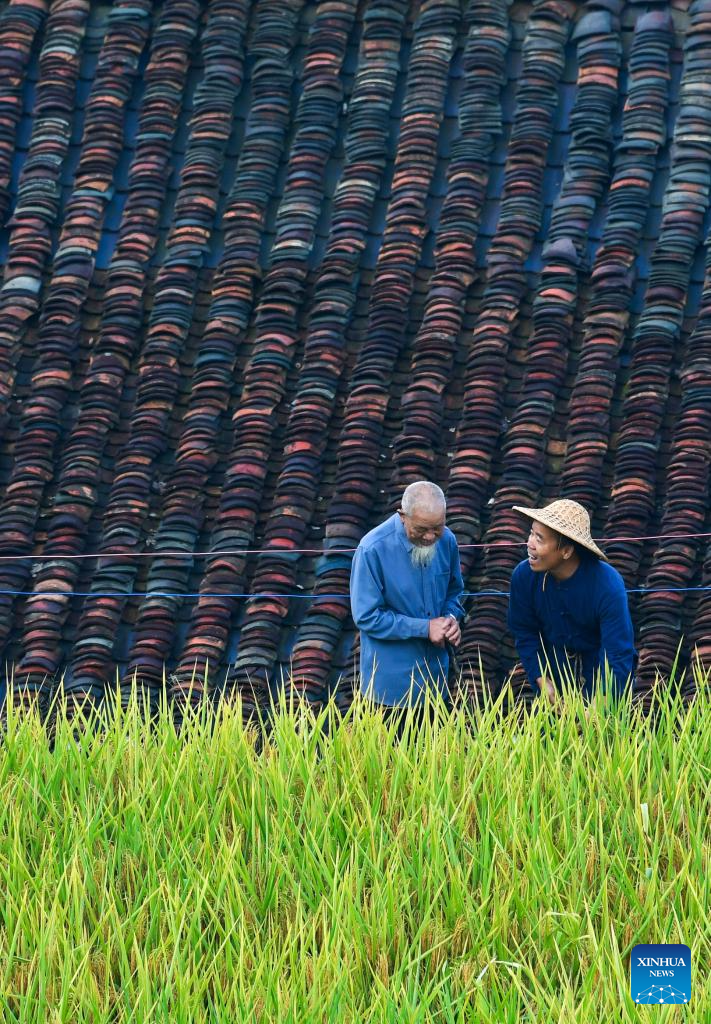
(423, 526)
(547, 550)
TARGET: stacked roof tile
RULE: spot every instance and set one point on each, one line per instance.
(644, 128)
(480, 427)
(118, 342)
(274, 345)
(40, 428)
(584, 184)
(37, 203)
(159, 372)
(20, 22)
(658, 329)
(273, 40)
(311, 412)
(360, 442)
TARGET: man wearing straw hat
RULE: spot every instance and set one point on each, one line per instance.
(568, 608)
(406, 585)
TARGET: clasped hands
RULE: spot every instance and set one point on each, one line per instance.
(444, 628)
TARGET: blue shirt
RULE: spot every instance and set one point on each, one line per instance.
(587, 615)
(392, 603)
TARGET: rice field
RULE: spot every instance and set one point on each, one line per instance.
(483, 869)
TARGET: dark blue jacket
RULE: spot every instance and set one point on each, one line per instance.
(586, 615)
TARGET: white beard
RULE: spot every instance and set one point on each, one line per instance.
(422, 555)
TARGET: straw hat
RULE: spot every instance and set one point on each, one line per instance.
(568, 518)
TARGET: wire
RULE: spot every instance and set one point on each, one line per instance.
(326, 552)
(310, 595)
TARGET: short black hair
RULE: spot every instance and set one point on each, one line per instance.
(580, 550)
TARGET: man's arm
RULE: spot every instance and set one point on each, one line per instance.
(616, 636)
(524, 625)
(453, 602)
(370, 613)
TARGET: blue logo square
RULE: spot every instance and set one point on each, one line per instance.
(660, 973)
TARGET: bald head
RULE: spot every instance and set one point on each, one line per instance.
(423, 496)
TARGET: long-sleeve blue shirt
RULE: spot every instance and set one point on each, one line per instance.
(586, 615)
(392, 603)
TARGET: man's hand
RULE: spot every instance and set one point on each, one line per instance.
(454, 632)
(547, 688)
(440, 629)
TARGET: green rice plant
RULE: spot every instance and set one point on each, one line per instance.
(484, 868)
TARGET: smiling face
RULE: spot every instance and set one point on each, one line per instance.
(423, 526)
(548, 551)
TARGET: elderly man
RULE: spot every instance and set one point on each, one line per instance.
(406, 585)
(568, 609)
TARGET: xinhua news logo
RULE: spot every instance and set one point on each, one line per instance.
(661, 973)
